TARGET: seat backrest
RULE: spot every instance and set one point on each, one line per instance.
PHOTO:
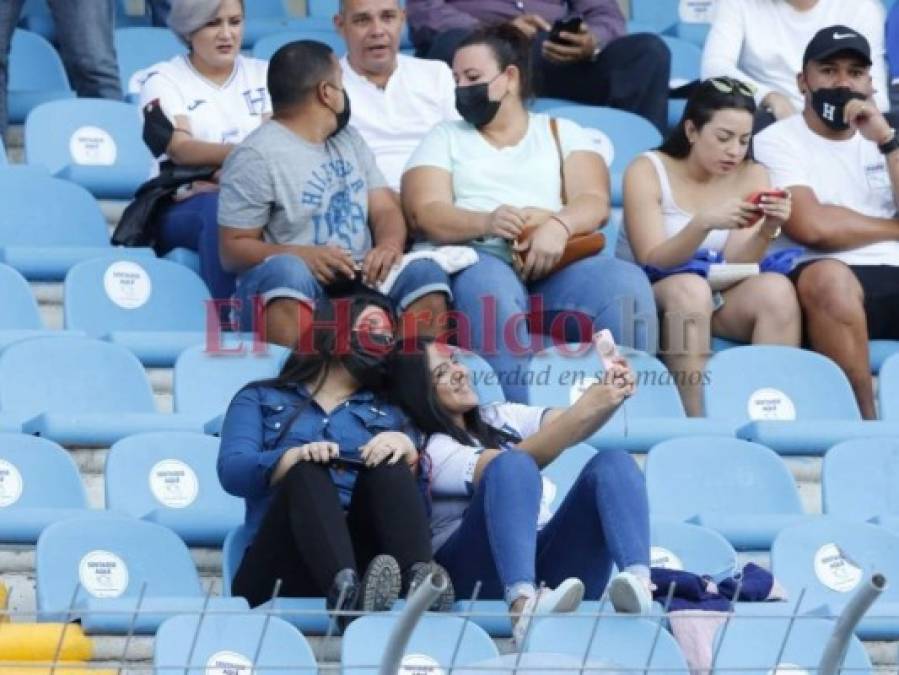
(266, 47)
(34, 64)
(233, 548)
(686, 60)
(110, 558)
(96, 133)
(324, 8)
(765, 382)
(37, 473)
(859, 478)
(628, 642)
(830, 558)
(662, 12)
(232, 643)
(205, 383)
(619, 136)
(72, 375)
(760, 646)
(20, 311)
(105, 295)
(484, 379)
(438, 644)
(707, 474)
(683, 546)
(560, 475)
(3, 160)
(39, 210)
(167, 470)
(140, 47)
(888, 389)
(266, 9)
(560, 375)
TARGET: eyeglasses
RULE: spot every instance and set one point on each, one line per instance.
(728, 85)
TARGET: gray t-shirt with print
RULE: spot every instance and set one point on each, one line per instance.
(301, 193)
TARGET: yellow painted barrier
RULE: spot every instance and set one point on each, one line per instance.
(4, 603)
(30, 668)
(40, 642)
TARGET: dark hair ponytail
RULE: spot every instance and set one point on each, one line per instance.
(510, 47)
(712, 95)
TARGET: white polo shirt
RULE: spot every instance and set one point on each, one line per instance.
(419, 94)
(224, 113)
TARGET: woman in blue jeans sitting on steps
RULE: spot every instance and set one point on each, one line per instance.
(487, 523)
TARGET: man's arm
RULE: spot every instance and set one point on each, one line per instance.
(834, 228)
(388, 230)
(603, 17)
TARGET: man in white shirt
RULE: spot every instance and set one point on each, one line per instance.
(396, 98)
(761, 42)
(840, 160)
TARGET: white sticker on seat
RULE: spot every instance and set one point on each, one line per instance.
(578, 388)
(228, 663)
(547, 497)
(11, 484)
(836, 570)
(659, 556)
(419, 664)
(770, 404)
(92, 146)
(602, 144)
(174, 483)
(103, 574)
(127, 284)
(788, 669)
(697, 11)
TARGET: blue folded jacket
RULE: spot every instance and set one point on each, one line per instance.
(782, 261)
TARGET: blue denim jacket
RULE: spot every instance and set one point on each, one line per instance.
(253, 438)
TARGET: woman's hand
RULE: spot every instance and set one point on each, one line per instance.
(506, 222)
(617, 384)
(777, 211)
(544, 249)
(732, 214)
(197, 187)
(321, 452)
(390, 446)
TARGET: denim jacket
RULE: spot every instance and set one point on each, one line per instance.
(253, 438)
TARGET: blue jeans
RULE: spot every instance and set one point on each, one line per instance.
(604, 519)
(287, 276)
(193, 224)
(159, 11)
(84, 31)
(604, 292)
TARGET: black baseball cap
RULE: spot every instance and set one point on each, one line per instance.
(835, 40)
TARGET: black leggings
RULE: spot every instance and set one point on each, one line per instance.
(306, 536)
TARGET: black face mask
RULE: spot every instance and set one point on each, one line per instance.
(367, 358)
(474, 104)
(829, 105)
(343, 117)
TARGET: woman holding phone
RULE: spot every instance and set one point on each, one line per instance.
(700, 190)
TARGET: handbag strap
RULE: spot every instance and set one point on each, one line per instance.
(554, 128)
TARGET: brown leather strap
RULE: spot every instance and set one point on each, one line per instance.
(554, 127)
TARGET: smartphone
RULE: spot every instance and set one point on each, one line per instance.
(571, 24)
(347, 463)
(756, 197)
(605, 347)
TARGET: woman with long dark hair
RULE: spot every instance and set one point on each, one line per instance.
(487, 523)
(328, 469)
(694, 193)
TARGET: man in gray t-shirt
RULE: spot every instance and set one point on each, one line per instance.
(304, 206)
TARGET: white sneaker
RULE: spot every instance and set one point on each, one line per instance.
(630, 594)
(566, 597)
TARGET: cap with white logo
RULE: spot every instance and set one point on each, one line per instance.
(836, 40)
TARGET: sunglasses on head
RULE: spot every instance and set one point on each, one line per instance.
(727, 85)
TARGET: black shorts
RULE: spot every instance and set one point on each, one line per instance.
(880, 284)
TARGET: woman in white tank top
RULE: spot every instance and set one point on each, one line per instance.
(693, 193)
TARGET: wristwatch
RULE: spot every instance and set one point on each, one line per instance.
(890, 145)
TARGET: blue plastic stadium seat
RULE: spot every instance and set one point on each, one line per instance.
(831, 559)
(170, 478)
(694, 33)
(662, 14)
(155, 308)
(622, 137)
(20, 317)
(438, 641)
(266, 47)
(559, 476)
(742, 490)
(483, 378)
(3, 160)
(686, 62)
(888, 392)
(323, 8)
(792, 400)
(629, 642)
(697, 549)
(761, 646)
(36, 75)
(39, 485)
(264, 17)
(543, 104)
(139, 48)
(78, 391)
(308, 614)
(880, 351)
(36, 18)
(93, 142)
(858, 481)
(118, 575)
(653, 414)
(234, 643)
(47, 225)
(184, 257)
(205, 383)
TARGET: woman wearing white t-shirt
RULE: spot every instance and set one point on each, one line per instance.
(483, 180)
(693, 193)
(214, 97)
(761, 42)
(488, 526)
